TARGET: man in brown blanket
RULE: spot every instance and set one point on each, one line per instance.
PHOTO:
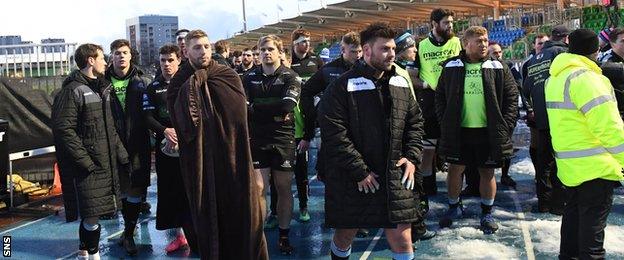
(210, 117)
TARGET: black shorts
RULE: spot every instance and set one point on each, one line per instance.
(432, 128)
(277, 157)
(475, 150)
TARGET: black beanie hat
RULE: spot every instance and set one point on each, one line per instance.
(583, 42)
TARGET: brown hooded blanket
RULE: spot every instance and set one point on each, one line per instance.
(210, 117)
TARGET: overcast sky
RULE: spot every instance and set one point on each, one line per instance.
(102, 22)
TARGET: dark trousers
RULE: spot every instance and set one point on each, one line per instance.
(550, 191)
(301, 177)
(584, 219)
(419, 227)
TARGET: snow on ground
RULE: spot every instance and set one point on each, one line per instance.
(614, 240)
(470, 243)
(545, 235)
(524, 166)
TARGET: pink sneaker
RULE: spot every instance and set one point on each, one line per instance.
(176, 244)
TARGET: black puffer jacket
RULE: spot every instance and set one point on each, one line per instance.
(314, 87)
(501, 105)
(88, 149)
(369, 124)
(307, 66)
(613, 69)
(132, 127)
(537, 72)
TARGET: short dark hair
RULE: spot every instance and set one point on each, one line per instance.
(614, 34)
(84, 52)
(169, 48)
(116, 44)
(221, 46)
(438, 14)
(377, 30)
(351, 38)
(237, 53)
(254, 48)
(246, 49)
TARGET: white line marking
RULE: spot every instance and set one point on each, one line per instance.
(370, 247)
(528, 245)
(106, 238)
(24, 225)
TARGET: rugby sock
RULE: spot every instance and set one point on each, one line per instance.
(402, 256)
(284, 232)
(90, 227)
(339, 253)
(95, 256)
(486, 206)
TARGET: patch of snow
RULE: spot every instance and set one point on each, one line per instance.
(476, 248)
(545, 235)
(614, 239)
(525, 166)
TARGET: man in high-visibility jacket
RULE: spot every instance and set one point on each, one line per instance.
(588, 140)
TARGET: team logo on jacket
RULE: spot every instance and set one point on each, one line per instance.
(278, 81)
(492, 64)
(455, 63)
(399, 81)
(286, 164)
(311, 63)
(359, 84)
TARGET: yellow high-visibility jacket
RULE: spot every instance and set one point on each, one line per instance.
(585, 125)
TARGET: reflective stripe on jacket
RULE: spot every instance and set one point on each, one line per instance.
(585, 125)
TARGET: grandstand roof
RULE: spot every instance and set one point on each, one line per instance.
(336, 19)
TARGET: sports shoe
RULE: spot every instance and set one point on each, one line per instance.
(429, 234)
(284, 246)
(304, 216)
(271, 222)
(506, 180)
(453, 212)
(128, 244)
(176, 244)
(362, 233)
(146, 207)
(488, 224)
